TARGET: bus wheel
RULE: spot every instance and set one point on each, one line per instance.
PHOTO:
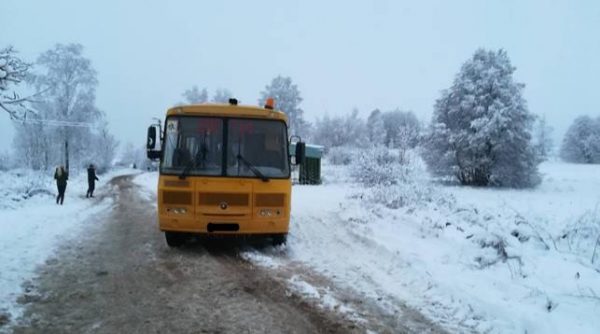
(279, 239)
(174, 239)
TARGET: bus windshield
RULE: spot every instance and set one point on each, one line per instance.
(213, 146)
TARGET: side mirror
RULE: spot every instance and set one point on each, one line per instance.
(300, 152)
(153, 142)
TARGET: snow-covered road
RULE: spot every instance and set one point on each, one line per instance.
(32, 227)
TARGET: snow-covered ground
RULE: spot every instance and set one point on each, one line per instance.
(487, 259)
(471, 259)
(32, 224)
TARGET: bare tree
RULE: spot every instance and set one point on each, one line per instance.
(106, 147)
(13, 71)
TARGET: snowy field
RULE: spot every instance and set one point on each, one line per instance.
(470, 259)
(482, 259)
(32, 224)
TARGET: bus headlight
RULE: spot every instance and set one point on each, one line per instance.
(177, 211)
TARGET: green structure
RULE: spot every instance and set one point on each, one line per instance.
(310, 169)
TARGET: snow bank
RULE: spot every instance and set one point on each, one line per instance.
(149, 185)
(32, 224)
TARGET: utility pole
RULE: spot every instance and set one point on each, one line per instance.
(67, 155)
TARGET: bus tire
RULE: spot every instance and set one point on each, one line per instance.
(279, 239)
(175, 239)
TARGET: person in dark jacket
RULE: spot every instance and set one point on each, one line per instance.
(61, 176)
(92, 178)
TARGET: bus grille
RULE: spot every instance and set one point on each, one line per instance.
(270, 200)
(218, 198)
(177, 197)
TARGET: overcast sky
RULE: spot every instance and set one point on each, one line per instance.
(341, 54)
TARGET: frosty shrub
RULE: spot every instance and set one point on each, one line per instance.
(390, 180)
(480, 132)
(376, 166)
(341, 155)
(581, 143)
(405, 192)
(583, 237)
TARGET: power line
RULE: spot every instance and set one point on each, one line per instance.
(52, 122)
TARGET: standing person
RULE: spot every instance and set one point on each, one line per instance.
(61, 176)
(92, 178)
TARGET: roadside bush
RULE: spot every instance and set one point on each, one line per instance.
(341, 155)
(582, 237)
(377, 166)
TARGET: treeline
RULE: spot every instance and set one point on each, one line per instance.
(59, 123)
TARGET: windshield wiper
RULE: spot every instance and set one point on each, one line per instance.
(253, 168)
(186, 170)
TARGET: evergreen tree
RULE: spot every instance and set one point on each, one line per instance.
(481, 129)
(581, 143)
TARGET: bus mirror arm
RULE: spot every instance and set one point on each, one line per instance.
(300, 152)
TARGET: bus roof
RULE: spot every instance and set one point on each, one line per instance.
(227, 110)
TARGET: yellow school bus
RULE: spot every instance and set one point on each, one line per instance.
(224, 170)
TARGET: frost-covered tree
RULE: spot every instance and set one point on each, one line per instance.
(66, 108)
(348, 130)
(13, 71)
(402, 129)
(222, 95)
(481, 128)
(106, 147)
(542, 138)
(581, 143)
(6, 162)
(133, 155)
(287, 99)
(195, 95)
(376, 128)
(33, 145)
